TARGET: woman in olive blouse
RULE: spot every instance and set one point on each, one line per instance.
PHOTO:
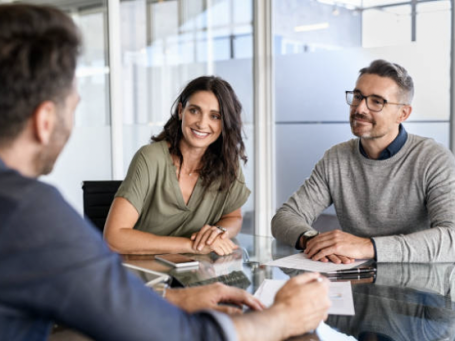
(184, 191)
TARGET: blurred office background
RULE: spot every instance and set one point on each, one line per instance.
(289, 61)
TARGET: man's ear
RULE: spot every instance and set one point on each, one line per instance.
(405, 112)
(44, 120)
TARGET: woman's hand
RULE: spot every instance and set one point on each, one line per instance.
(212, 239)
(221, 247)
(206, 236)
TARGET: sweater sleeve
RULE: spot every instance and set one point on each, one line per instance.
(437, 244)
(303, 207)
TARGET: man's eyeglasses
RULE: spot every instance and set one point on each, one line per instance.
(373, 102)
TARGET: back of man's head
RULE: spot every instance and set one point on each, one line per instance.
(394, 71)
(39, 47)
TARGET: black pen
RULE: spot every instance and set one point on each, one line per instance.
(361, 270)
(352, 276)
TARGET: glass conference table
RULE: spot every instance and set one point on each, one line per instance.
(405, 302)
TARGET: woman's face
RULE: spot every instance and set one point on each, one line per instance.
(201, 120)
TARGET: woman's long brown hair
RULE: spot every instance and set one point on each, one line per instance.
(221, 159)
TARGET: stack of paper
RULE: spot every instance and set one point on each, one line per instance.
(301, 261)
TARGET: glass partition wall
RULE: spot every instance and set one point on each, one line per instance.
(164, 45)
(320, 45)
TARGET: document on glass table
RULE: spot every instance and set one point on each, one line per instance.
(300, 261)
(340, 294)
(327, 333)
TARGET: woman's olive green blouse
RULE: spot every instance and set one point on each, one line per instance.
(152, 187)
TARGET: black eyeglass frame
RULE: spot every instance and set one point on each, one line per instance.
(366, 100)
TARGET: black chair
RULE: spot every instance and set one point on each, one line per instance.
(98, 197)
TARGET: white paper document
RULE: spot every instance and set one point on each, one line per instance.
(301, 261)
(340, 294)
(327, 333)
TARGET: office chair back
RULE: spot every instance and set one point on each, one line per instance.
(98, 197)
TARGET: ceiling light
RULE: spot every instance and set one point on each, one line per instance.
(314, 27)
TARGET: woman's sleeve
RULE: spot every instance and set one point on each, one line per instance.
(237, 195)
(136, 185)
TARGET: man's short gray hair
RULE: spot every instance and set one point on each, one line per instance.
(394, 71)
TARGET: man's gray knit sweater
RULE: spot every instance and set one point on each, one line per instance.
(406, 202)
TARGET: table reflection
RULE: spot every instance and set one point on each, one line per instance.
(405, 302)
(212, 268)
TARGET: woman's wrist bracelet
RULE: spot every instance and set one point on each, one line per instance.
(222, 229)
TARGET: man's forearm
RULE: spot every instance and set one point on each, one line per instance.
(303, 207)
(435, 245)
(287, 226)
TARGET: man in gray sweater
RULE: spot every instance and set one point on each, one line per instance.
(394, 192)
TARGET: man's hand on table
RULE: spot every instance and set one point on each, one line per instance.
(209, 297)
(339, 247)
(300, 305)
(305, 302)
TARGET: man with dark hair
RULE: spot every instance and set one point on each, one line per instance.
(393, 192)
(55, 266)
